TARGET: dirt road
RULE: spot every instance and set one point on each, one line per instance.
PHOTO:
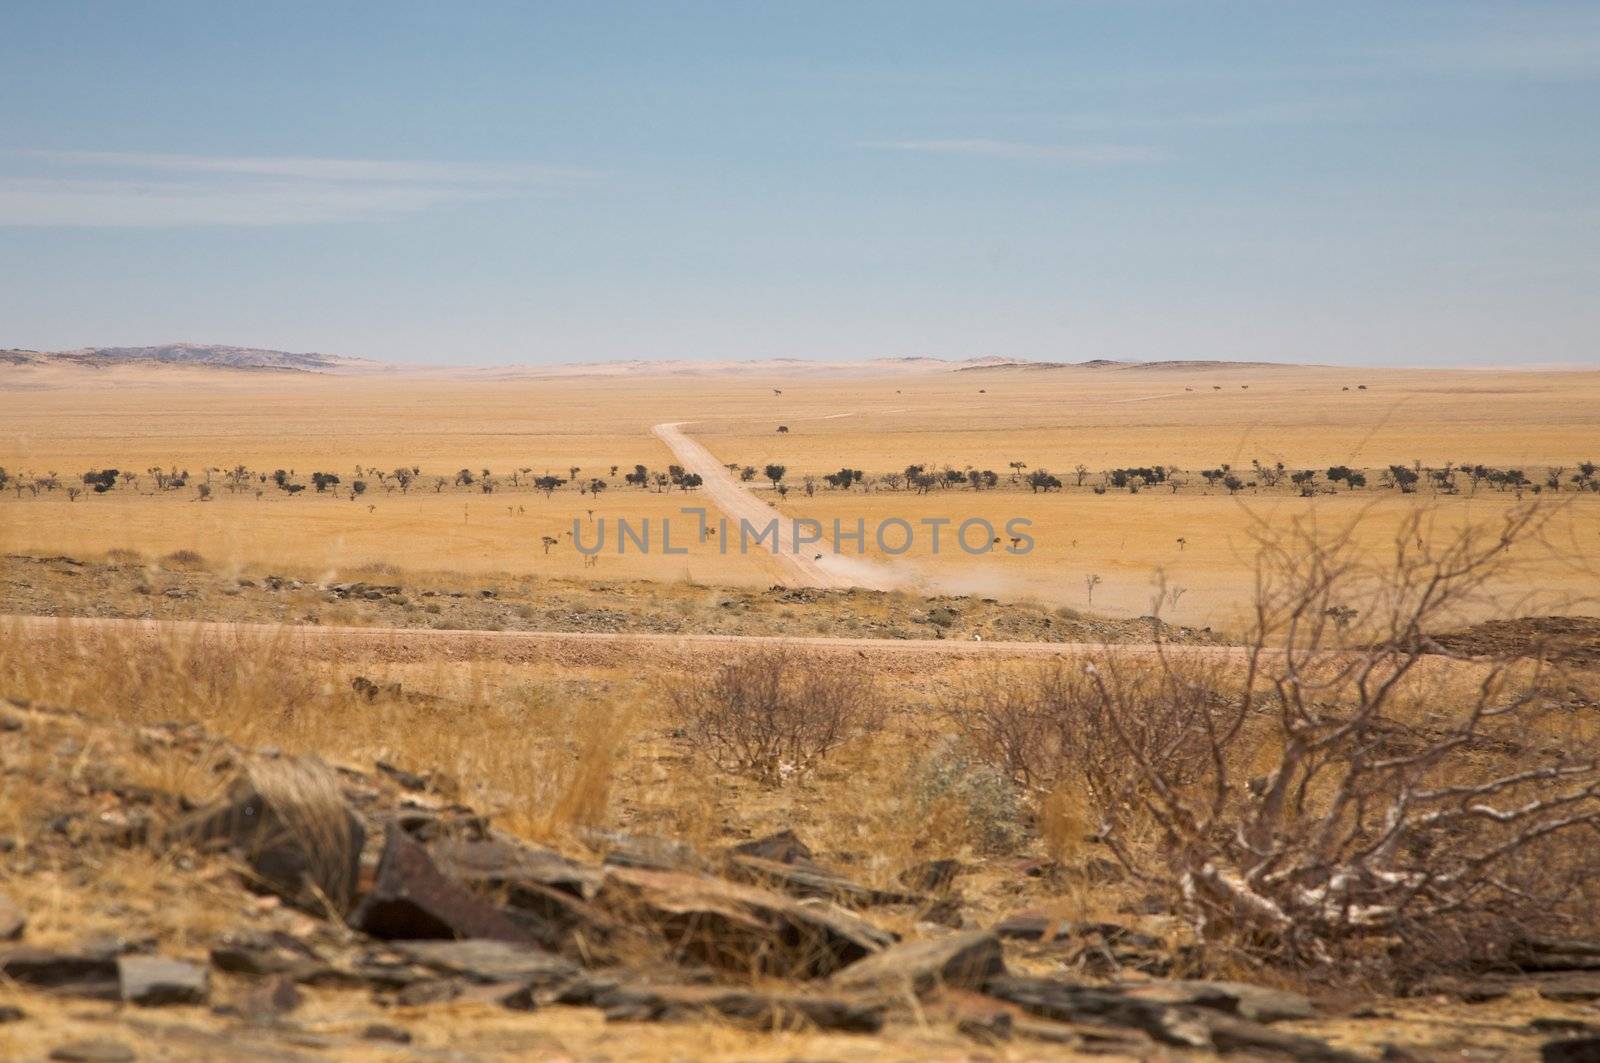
(418, 645)
(805, 565)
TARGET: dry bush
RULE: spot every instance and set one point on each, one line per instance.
(183, 561)
(776, 713)
(1342, 795)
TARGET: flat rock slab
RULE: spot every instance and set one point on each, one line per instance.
(785, 847)
(413, 900)
(804, 879)
(499, 863)
(152, 981)
(747, 1007)
(1033, 926)
(1253, 1002)
(739, 927)
(95, 1051)
(642, 851)
(1174, 1024)
(490, 961)
(88, 974)
(965, 961)
(1570, 1050)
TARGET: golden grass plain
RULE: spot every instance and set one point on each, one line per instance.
(878, 419)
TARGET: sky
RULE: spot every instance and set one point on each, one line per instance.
(1389, 183)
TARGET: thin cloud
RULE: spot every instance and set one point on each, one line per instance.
(985, 148)
(1564, 47)
(103, 189)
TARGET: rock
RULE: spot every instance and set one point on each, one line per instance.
(290, 824)
(490, 961)
(1063, 1002)
(453, 823)
(99, 1050)
(747, 1007)
(382, 1031)
(413, 900)
(1572, 987)
(1181, 1025)
(12, 920)
(433, 991)
(499, 863)
(152, 981)
(946, 911)
(88, 974)
(931, 876)
(744, 928)
(642, 851)
(274, 997)
(1230, 1034)
(784, 847)
(988, 1028)
(1556, 954)
(1571, 1050)
(966, 960)
(406, 780)
(1033, 925)
(1253, 1002)
(262, 954)
(808, 880)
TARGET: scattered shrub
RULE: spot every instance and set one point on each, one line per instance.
(776, 713)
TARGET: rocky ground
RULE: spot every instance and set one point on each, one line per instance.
(184, 589)
(302, 910)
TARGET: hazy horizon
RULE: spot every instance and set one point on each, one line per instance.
(1362, 184)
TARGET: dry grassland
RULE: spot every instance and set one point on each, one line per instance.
(878, 421)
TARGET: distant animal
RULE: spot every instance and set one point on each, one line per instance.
(783, 429)
(777, 391)
(983, 391)
(1216, 387)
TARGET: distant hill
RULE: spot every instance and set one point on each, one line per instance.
(193, 354)
(1108, 363)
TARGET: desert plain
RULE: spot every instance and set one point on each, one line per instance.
(993, 785)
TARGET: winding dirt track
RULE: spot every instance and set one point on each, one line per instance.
(557, 649)
(809, 565)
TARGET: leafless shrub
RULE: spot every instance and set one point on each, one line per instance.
(183, 561)
(776, 713)
(1336, 793)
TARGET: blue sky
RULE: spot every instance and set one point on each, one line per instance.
(1365, 183)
